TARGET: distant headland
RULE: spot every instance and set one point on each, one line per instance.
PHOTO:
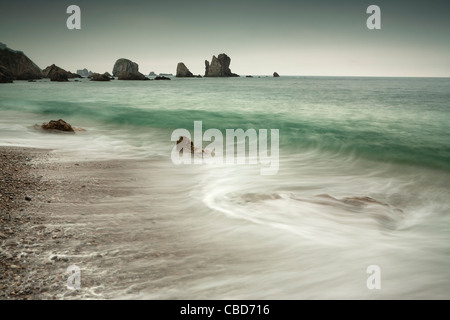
(15, 65)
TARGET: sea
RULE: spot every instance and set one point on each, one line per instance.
(357, 208)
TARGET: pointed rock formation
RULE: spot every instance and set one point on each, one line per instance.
(183, 71)
(56, 73)
(219, 67)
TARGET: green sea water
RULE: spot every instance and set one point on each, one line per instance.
(386, 119)
(363, 179)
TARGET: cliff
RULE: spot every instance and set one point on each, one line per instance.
(18, 64)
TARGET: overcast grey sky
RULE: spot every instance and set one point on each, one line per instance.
(322, 37)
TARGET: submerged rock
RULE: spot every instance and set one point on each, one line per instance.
(183, 71)
(185, 144)
(219, 67)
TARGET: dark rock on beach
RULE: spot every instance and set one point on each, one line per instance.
(183, 71)
(219, 67)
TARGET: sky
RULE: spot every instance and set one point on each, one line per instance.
(310, 38)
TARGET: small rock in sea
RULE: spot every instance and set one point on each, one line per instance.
(162, 78)
(100, 77)
(60, 125)
(27, 198)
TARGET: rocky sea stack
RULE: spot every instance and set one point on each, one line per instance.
(126, 69)
(183, 71)
(276, 75)
(17, 64)
(55, 73)
(219, 67)
(84, 73)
